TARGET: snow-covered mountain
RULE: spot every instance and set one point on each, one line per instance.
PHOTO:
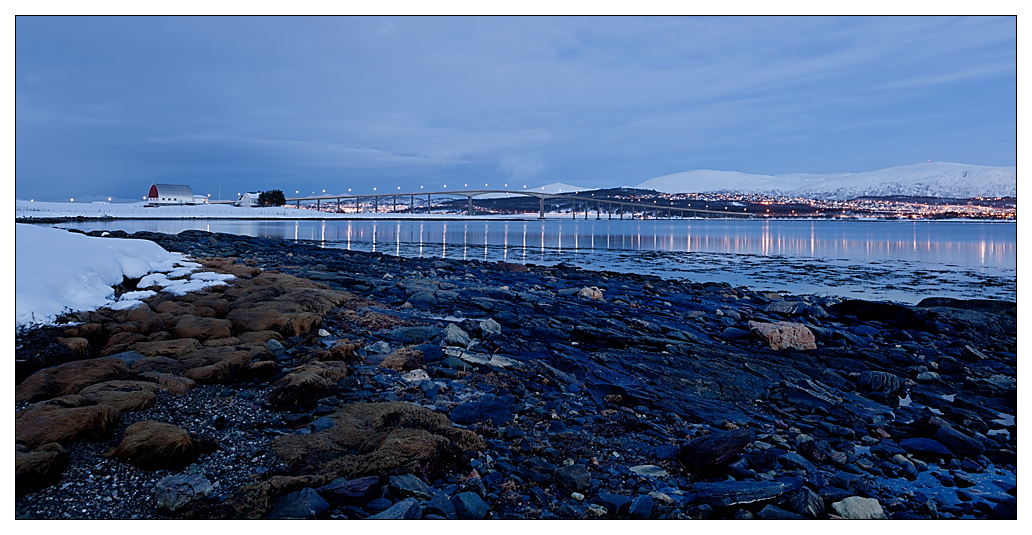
(931, 179)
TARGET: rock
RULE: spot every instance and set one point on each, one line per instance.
(35, 470)
(734, 333)
(410, 485)
(590, 292)
(858, 508)
(69, 419)
(153, 445)
(75, 344)
(69, 378)
(573, 477)
(323, 333)
(728, 493)
(649, 470)
(173, 492)
(441, 505)
(773, 512)
(416, 376)
(306, 384)
(404, 359)
(806, 503)
(411, 335)
(488, 408)
(711, 452)
(167, 348)
(959, 443)
(925, 447)
(641, 508)
(875, 381)
(202, 329)
(344, 491)
(666, 451)
(407, 509)
(788, 308)
(259, 337)
(275, 348)
(370, 438)
(781, 335)
(306, 503)
(455, 336)
(596, 511)
(470, 506)
(490, 328)
(123, 401)
(614, 502)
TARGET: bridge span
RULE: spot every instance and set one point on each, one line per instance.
(416, 200)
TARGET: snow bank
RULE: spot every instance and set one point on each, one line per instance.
(57, 272)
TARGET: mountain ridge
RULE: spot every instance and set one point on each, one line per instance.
(927, 179)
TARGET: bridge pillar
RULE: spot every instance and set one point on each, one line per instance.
(598, 211)
(541, 205)
(412, 204)
(376, 204)
(317, 204)
(469, 206)
(610, 211)
(428, 203)
(299, 204)
(395, 207)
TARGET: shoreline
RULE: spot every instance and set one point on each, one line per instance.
(635, 380)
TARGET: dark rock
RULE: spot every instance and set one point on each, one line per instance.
(470, 506)
(488, 408)
(615, 503)
(959, 443)
(411, 335)
(734, 333)
(925, 447)
(875, 381)
(409, 485)
(711, 452)
(641, 508)
(574, 477)
(440, 505)
(407, 509)
(773, 512)
(666, 451)
(350, 491)
(305, 503)
(805, 503)
(728, 493)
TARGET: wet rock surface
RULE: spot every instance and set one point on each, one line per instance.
(331, 384)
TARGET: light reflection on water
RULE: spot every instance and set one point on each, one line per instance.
(878, 259)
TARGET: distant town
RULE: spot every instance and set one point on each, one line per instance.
(667, 205)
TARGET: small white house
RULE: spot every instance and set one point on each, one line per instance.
(170, 194)
(249, 199)
(200, 199)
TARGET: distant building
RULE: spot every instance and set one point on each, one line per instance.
(249, 199)
(170, 194)
(200, 199)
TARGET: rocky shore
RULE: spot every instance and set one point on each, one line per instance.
(322, 383)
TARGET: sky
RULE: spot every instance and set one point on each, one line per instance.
(106, 106)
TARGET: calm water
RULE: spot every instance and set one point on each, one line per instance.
(900, 261)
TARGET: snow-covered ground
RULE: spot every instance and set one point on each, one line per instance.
(57, 272)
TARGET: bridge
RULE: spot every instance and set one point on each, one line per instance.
(621, 206)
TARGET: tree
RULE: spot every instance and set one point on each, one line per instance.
(273, 197)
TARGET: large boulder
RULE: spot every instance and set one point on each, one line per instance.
(40, 468)
(202, 329)
(64, 420)
(175, 491)
(712, 452)
(368, 439)
(306, 384)
(68, 378)
(167, 348)
(859, 508)
(153, 445)
(781, 335)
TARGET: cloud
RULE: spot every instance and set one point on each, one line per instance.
(521, 167)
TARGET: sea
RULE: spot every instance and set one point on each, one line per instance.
(900, 261)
